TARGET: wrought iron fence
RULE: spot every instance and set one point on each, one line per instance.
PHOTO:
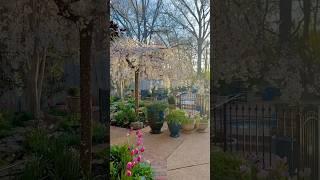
(194, 102)
(270, 131)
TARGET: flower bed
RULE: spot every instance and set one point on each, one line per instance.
(127, 162)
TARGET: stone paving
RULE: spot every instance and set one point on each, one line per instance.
(186, 157)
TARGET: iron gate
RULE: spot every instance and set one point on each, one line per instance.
(270, 131)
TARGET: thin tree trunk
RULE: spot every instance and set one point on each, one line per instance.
(136, 89)
(306, 12)
(315, 16)
(285, 22)
(121, 89)
(199, 51)
(85, 96)
(206, 61)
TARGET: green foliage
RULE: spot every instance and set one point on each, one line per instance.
(69, 139)
(19, 118)
(54, 157)
(99, 133)
(226, 166)
(57, 112)
(37, 141)
(142, 170)
(35, 169)
(69, 122)
(176, 116)
(5, 126)
(9, 120)
(74, 91)
(125, 114)
(142, 117)
(119, 156)
(66, 165)
(171, 100)
(157, 106)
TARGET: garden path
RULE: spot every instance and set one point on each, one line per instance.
(186, 157)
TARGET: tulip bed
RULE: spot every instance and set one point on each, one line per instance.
(127, 161)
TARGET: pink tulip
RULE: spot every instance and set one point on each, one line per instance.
(139, 142)
(136, 151)
(129, 173)
(139, 158)
(129, 165)
(132, 152)
(142, 149)
(134, 163)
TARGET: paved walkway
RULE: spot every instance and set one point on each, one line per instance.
(186, 157)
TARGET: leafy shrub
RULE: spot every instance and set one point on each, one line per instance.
(119, 156)
(34, 169)
(176, 116)
(99, 133)
(54, 158)
(227, 166)
(142, 170)
(37, 141)
(57, 112)
(66, 165)
(125, 116)
(69, 139)
(19, 118)
(69, 122)
(157, 106)
(9, 120)
(5, 126)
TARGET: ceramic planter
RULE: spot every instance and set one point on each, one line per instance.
(156, 120)
(136, 125)
(174, 129)
(202, 126)
(188, 127)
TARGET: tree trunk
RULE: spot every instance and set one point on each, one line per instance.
(285, 22)
(85, 96)
(206, 61)
(315, 16)
(136, 89)
(121, 89)
(306, 17)
(199, 51)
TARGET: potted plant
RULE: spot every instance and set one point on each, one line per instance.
(174, 119)
(73, 99)
(203, 124)
(172, 102)
(189, 123)
(155, 115)
(197, 121)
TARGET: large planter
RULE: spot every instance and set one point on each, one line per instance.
(174, 129)
(202, 126)
(73, 103)
(188, 127)
(156, 120)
